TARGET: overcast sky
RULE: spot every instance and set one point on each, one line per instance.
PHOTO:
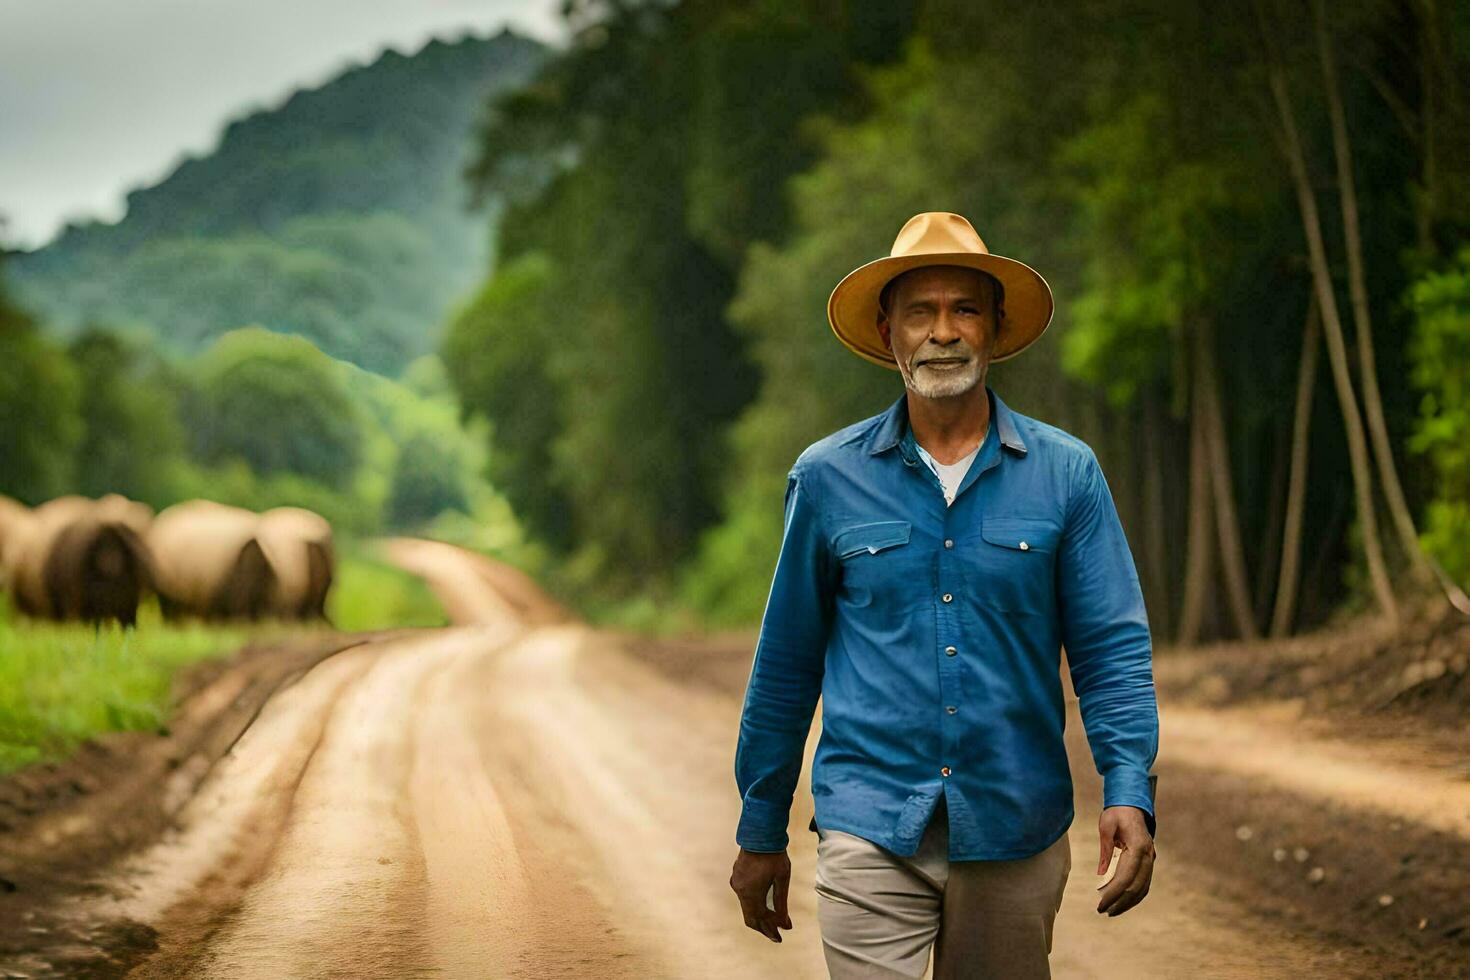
(100, 96)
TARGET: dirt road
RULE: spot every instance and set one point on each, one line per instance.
(522, 796)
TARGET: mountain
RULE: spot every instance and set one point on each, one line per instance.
(342, 215)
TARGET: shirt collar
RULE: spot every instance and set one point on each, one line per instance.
(895, 422)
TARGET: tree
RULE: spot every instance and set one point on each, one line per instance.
(276, 402)
(1441, 373)
(40, 421)
(640, 166)
(1291, 147)
(130, 419)
(497, 354)
(1296, 495)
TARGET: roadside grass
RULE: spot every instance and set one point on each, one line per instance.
(62, 683)
(370, 594)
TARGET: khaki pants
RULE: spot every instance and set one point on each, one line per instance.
(880, 913)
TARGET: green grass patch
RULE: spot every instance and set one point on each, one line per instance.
(61, 684)
(370, 594)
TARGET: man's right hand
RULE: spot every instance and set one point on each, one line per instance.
(754, 874)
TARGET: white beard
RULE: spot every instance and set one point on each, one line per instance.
(929, 382)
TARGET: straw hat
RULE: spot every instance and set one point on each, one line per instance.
(938, 238)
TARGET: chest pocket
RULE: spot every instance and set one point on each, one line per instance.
(871, 538)
(876, 559)
(1013, 566)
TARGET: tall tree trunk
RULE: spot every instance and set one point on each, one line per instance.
(1268, 562)
(1296, 494)
(1332, 329)
(1425, 210)
(1311, 603)
(1156, 517)
(1227, 525)
(1200, 544)
(1347, 192)
(1426, 570)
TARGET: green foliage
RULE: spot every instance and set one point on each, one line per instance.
(1440, 369)
(425, 482)
(640, 165)
(339, 216)
(929, 142)
(40, 411)
(132, 433)
(370, 594)
(1144, 209)
(276, 402)
(496, 354)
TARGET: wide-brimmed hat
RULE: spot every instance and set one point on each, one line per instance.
(938, 238)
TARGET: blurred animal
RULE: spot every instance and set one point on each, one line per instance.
(298, 544)
(77, 558)
(210, 562)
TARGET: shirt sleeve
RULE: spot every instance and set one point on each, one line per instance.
(1106, 636)
(786, 676)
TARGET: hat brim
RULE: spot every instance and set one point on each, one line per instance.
(852, 309)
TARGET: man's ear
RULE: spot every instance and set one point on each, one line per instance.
(883, 329)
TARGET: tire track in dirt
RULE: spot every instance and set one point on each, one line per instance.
(196, 878)
(630, 775)
(542, 801)
(1270, 746)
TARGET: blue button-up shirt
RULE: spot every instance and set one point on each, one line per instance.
(933, 635)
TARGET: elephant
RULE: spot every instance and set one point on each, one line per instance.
(73, 558)
(298, 544)
(210, 562)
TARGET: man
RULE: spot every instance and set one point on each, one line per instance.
(935, 560)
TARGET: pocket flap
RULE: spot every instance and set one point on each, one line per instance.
(1022, 533)
(872, 538)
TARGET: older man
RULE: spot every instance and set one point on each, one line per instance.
(936, 558)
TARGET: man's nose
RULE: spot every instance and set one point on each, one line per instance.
(946, 330)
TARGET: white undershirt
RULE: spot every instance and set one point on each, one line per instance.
(952, 474)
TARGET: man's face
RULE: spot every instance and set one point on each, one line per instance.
(941, 326)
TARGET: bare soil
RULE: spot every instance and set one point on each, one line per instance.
(61, 821)
(525, 796)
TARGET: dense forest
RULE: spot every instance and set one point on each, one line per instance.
(585, 286)
(1252, 218)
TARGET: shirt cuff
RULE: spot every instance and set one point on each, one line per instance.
(762, 827)
(1132, 787)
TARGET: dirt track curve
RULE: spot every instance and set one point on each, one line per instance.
(519, 795)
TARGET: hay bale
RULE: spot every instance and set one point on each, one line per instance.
(73, 559)
(210, 563)
(298, 544)
(14, 516)
(134, 513)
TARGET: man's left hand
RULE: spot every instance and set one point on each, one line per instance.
(1123, 827)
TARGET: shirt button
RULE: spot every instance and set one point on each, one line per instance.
(951, 709)
(950, 651)
(944, 771)
(948, 543)
(1025, 546)
(947, 597)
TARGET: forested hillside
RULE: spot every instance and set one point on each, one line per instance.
(341, 216)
